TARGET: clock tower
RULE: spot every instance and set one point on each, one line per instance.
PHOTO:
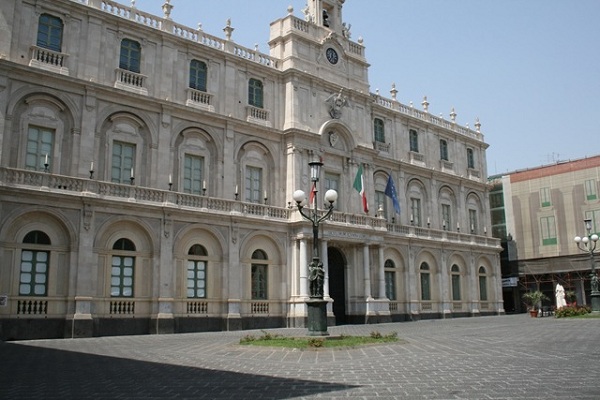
(319, 58)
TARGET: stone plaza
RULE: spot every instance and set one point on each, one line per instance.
(501, 357)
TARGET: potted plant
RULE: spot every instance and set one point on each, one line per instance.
(533, 300)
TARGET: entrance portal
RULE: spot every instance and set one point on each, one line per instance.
(337, 284)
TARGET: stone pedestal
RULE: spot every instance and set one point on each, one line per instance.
(595, 301)
(317, 317)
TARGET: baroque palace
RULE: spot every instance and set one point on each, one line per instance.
(147, 172)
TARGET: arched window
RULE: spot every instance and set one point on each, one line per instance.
(425, 282)
(196, 272)
(379, 130)
(122, 269)
(50, 30)
(390, 279)
(483, 296)
(131, 55)
(259, 275)
(33, 278)
(455, 272)
(198, 73)
(255, 93)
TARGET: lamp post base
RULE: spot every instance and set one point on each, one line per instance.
(595, 302)
(317, 317)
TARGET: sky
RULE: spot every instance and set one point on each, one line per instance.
(528, 69)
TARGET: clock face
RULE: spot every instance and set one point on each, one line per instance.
(332, 55)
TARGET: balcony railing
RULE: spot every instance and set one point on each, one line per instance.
(200, 99)
(258, 115)
(131, 81)
(49, 60)
(71, 186)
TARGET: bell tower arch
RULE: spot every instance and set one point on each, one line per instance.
(327, 13)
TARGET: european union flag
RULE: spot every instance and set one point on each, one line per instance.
(390, 191)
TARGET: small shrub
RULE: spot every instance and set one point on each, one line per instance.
(392, 335)
(268, 336)
(572, 311)
(247, 338)
(376, 335)
(315, 342)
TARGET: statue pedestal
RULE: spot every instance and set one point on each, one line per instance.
(317, 317)
(595, 301)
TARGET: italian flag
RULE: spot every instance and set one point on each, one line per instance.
(359, 185)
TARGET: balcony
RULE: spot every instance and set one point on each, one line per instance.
(131, 81)
(49, 60)
(258, 116)
(200, 100)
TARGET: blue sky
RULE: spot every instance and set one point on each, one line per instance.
(530, 70)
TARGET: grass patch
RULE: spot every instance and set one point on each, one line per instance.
(344, 341)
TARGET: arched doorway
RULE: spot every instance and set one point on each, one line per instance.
(337, 283)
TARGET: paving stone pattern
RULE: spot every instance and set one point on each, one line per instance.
(505, 357)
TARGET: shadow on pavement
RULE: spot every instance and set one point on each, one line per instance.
(38, 373)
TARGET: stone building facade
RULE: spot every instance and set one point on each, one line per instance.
(147, 171)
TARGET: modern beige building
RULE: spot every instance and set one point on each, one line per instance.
(545, 208)
(147, 171)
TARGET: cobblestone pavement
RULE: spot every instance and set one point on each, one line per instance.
(505, 357)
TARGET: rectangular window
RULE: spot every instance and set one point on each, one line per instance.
(379, 129)
(414, 140)
(198, 75)
(470, 159)
(332, 181)
(33, 280)
(590, 189)
(123, 160)
(196, 279)
(443, 150)
(193, 174)
(456, 287)
(446, 217)
(50, 31)
(121, 276)
(425, 286)
(390, 285)
(253, 184)
(259, 282)
(130, 56)
(473, 221)
(548, 229)
(380, 202)
(545, 197)
(415, 211)
(594, 215)
(255, 93)
(483, 288)
(40, 143)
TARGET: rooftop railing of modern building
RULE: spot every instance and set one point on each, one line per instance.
(20, 179)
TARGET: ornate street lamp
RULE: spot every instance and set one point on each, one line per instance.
(317, 307)
(588, 244)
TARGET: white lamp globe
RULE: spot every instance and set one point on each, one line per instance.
(577, 239)
(585, 239)
(594, 238)
(331, 196)
(299, 196)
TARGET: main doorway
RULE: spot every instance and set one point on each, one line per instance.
(337, 283)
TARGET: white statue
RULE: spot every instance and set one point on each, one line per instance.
(560, 296)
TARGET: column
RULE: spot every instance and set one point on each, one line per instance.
(325, 261)
(303, 269)
(381, 271)
(367, 273)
